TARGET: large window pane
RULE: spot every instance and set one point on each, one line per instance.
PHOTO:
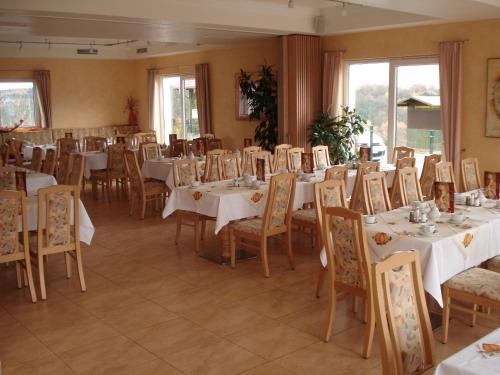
(368, 92)
(190, 109)
(17, 103)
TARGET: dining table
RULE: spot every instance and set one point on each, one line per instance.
(95, 160)
(27, 150)
(35, 180)
(161, 169)
(472, 360)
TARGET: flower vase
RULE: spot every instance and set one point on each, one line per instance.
(132, 118)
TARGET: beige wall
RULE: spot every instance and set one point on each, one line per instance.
(482, 43)
(223, 65)
(85, 93)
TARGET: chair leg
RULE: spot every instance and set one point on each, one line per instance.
(117, 183)
(94, 187)
(446, 313)
(31, 284)
(67, 259)
(197, 233)
(79, 266)
(143, 207)
(321, 279)
(132, 203)
(332, 302)
(474, 315)
(370, 327)
(232, 247)
(18, 275)
(41, 275)
(178, 219)
(289, 249)
(108, 189)
(263, 255)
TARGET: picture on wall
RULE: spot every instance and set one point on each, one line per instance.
(493, 99)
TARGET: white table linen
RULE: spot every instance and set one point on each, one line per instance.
(94, 160)
(28, 150)
(36, 180)
(469, 361)
(161, 169)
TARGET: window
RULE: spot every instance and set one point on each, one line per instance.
(400, 101)
(17, 102)
(178, 107)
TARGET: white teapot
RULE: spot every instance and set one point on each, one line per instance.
(434, 213)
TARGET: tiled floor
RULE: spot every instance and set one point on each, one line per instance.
(155, 308)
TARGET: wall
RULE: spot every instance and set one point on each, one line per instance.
(482, 43)
(85, 93)
(224, 64)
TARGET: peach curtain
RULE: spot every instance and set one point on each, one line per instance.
(154, 95)
(203, 98)
(44, 92)
(332, 81)
(450, 81)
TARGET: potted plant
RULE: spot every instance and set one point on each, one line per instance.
(131, 107)
(337, 133)
(263, 102)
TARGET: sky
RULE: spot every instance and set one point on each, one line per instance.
(15, 85)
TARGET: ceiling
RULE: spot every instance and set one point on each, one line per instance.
(119, 28)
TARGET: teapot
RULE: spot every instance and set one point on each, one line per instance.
(434, 213)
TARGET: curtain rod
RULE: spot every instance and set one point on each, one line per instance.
(17, 70)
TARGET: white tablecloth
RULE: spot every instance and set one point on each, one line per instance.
(36, 180)
(94, 160)
(28, 150)
(469, 361)
(86, 227)
(447, 252)
(161, 169)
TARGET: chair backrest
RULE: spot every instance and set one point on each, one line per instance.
(63, 168)
(406, 162)
(115, 166)
(396, 192)
(134, 172)
(149, 137)
(247, 158)
(321, 155)
(230, 166)
(428, 175)
(294, 158)
(213, 169)
(92, 143)
(12, 203)
(337, 172)
(150, 150)
(408, 187)
(247, 142)
(266, 155)
(357, 198)
(208, 135)
(192, 147)
(375, 193)
(172, 138)
(4, 154)
(185, 172)
(280, 156)
(36, 159)
(279, 206)
(444, 173)
(15, 146)
(66, 146)
(400, 152)
(178, 148)
(213, 144)
(59, 227)
(75, 173)
(344, 237)
(8, 178)
(470, 174)
(407, 342)
(49, 164)
(328, 193)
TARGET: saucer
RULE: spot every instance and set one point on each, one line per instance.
(456, 222)
(375, 222)
(422, 233)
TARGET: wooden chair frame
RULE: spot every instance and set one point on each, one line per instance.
(93, 143)
(402, 188)
(36, 160)
(367, 179)
(400, 152)
(337, 172)
(290, 160)
(75, 173)
(246, 166)
(467, 184)
(357, 197)
(439, 171)
(429, 172)
(144, 148)
(225, 157)
(278, 151)
(316, 150)
(49, 164)
(66, 146)
(213, 156)
(266, 155)
(178, 147)
(106, 181)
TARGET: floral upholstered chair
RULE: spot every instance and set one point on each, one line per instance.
(275, 221)
(402, 317)
(444, 173)
(428, 175)
(14, 246)
(185, 172)
(36, 160)
(49, 164)
(247, 158)
(115, 171)
(266, 155)
(406, 187)
(400, 152)
(357, 202)
(75, 173)
(150, 150)
(230, 166)
(213, 169)
(66, 146)
(7, 178)
(337, 172)
(321, 155)
(470, 174)
(494, 264)
(281, 156)
(294, 157)
(376, 196)
(348, 262)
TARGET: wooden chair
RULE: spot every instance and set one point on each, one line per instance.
(13, 203)
(115, 171)
(49, 164)
(444, 173)
(281, 157)
(68, 135)
(178, 148)
(213, 169)
(395, 192)
(428, 175)
(337, 172)
(185, 172)
(150, 150)
(36, 160)
(400, 152)
(276, 220)
(403, 324)
(294, 158)
(191, 147)
(230, 166)
(141, 190)
(247, 142)
(66, 146)
(493, 264)
(4, 154)
(375, 193)
(58, 231)
(208, 135)
(357, 197)
(348, 262)
(247, 158)
(8, 178)
(75, 173)
(475, 286)
(470, 174)
(213, 144)
(92, 143)
(63, 168)
(266, 155)
(408, 188)
(146, 137)
(321, 155)
(201, 146)
(172, 138)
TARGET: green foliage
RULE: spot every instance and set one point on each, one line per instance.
(263, 101)
(337, 133)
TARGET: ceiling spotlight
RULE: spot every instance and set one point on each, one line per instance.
(343, 12)
(290, 4)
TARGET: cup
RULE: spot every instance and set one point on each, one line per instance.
(370, 219)
(195, 184)
(255, 184)
(457, 217)
(428, 228)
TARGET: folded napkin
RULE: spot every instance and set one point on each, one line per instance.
(489, 351)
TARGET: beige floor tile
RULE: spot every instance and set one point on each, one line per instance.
(45, 365)
(18, 346)
(107, 356)
(187, 300)
(271, 339)
(156, 367)
(268, 369)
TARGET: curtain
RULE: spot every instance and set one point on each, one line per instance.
(154, 100)
(332, 81)
(450, 81)
(43, 89)
(203, 98)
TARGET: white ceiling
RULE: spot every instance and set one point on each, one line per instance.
(173, 26)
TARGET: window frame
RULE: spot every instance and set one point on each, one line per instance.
(36, 104)
(394, 63)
